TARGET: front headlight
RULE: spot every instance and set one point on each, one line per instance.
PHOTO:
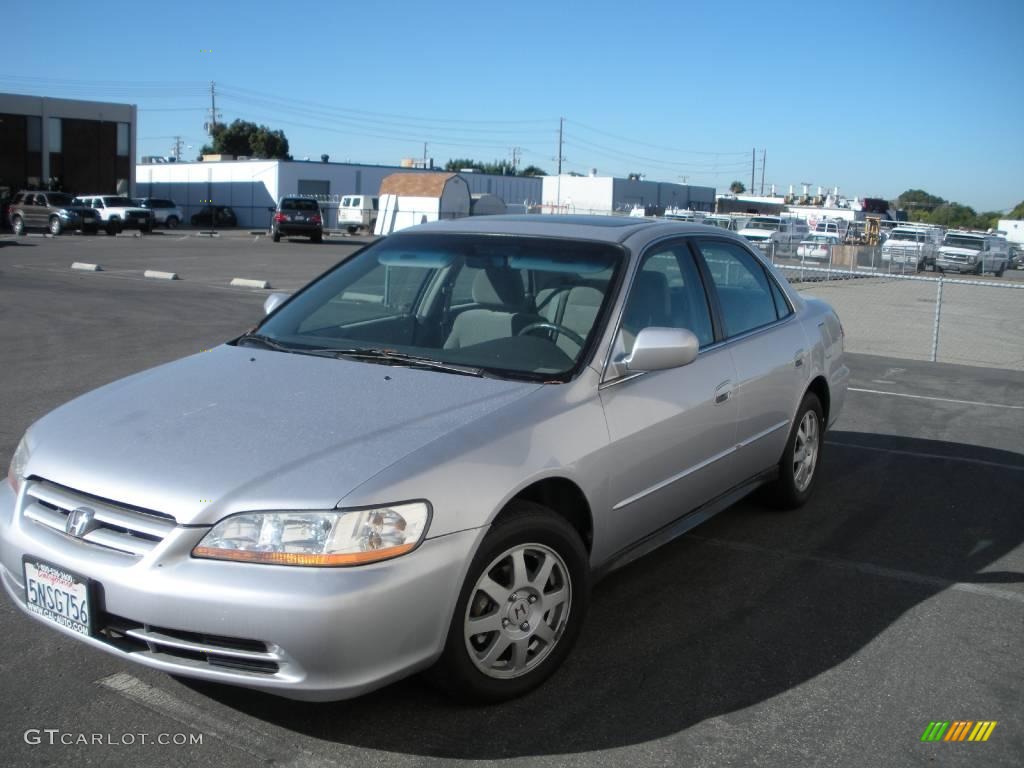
(335, 538)
(66, 214)
(16, 471)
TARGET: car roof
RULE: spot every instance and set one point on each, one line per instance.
(609, 229)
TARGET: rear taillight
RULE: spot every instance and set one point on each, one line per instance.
(315, 218)
(279, 217)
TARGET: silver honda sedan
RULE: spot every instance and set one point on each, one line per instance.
(423, 459)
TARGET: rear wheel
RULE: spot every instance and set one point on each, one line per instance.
(172, 222)
(520, 609)
(113, 227)
(352, 230)
(276, 236)
(18, 225)
(800, 459)
(999, 272)
(55, 226)
(317, 238)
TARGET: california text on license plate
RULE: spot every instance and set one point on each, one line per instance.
(58, 595)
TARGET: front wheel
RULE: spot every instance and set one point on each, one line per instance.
(56, 227)
(18, 225)
(800, 459)
(172, 222)
(520, 609)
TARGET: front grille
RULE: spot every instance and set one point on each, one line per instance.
(189, 648)
(114, 526)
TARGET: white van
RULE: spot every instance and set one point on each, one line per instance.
(357, 212)
(912, 246)
(975, 252)
(764, 230)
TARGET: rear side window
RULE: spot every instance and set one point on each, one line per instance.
(744, 289)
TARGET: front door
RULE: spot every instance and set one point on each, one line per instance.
(672, 432)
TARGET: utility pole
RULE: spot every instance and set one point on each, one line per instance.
(561, 129)
(213, 109)
(753, 162)
(764, 157)
(177, 148)
(424, 154)
(515, 158)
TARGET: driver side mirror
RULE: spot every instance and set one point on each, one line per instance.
(273, 301)
(657, 349)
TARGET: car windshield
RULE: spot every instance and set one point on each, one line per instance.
(119, 202)
(769, 224)
(511, 306)
(911, 236)
(972, 243)
(60, 199)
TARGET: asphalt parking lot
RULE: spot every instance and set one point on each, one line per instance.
(829, 636)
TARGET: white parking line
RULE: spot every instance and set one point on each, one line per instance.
(921, 455)
(939, 399)
(868, 568)
(240, 735)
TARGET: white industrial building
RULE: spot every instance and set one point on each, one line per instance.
(607, 195)
(253, 187)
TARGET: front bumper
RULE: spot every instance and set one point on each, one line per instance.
(304, 633)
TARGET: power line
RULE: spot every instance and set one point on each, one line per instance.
(676, 150)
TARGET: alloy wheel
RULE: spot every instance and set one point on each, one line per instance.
(517, 611)
(805, 452)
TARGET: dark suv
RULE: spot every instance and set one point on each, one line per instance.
(215, 216)
(51, 211)
(297, 216)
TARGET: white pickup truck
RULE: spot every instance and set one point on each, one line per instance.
(117, 213)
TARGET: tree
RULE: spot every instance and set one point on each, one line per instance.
(931, 209)
(242, 138)
(737, 188)
(1016, 213)
(918, 199)
(500, 167)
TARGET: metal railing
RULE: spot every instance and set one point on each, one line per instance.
(904, 309)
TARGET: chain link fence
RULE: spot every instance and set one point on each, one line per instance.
(901, 307)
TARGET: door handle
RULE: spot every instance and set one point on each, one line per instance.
(798, 358)
(723, 392)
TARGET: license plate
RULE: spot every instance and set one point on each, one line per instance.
(300, 218)
(59, 596)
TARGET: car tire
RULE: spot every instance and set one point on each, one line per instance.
(352, 230)
(798, 468)
(317, 238)
(18, 225)
(113, 227)
(90, 230)
(525, 543)
(999, 272)
(276, 236)
(54, 226)
(172, 222)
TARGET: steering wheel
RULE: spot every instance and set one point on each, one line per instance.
(557, 328)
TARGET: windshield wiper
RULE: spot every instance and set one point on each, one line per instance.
(266, 341)
(399, 358)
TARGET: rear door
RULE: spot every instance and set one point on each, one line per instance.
(768, 346)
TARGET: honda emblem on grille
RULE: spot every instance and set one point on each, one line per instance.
(80, 522)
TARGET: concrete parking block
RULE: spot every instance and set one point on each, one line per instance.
(160, 275)
(242, 282)
(87, 267)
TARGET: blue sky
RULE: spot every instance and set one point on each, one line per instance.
(873, 97)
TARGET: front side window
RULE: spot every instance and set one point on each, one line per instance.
(400, 294)
(743, 288)
(667, 292)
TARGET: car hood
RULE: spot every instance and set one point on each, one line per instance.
(756, 234)
(236, 429)
(954, 251)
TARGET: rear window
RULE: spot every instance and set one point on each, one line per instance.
(296, 204)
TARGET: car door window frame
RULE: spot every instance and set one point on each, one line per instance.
(608, 377)
(718, 317)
